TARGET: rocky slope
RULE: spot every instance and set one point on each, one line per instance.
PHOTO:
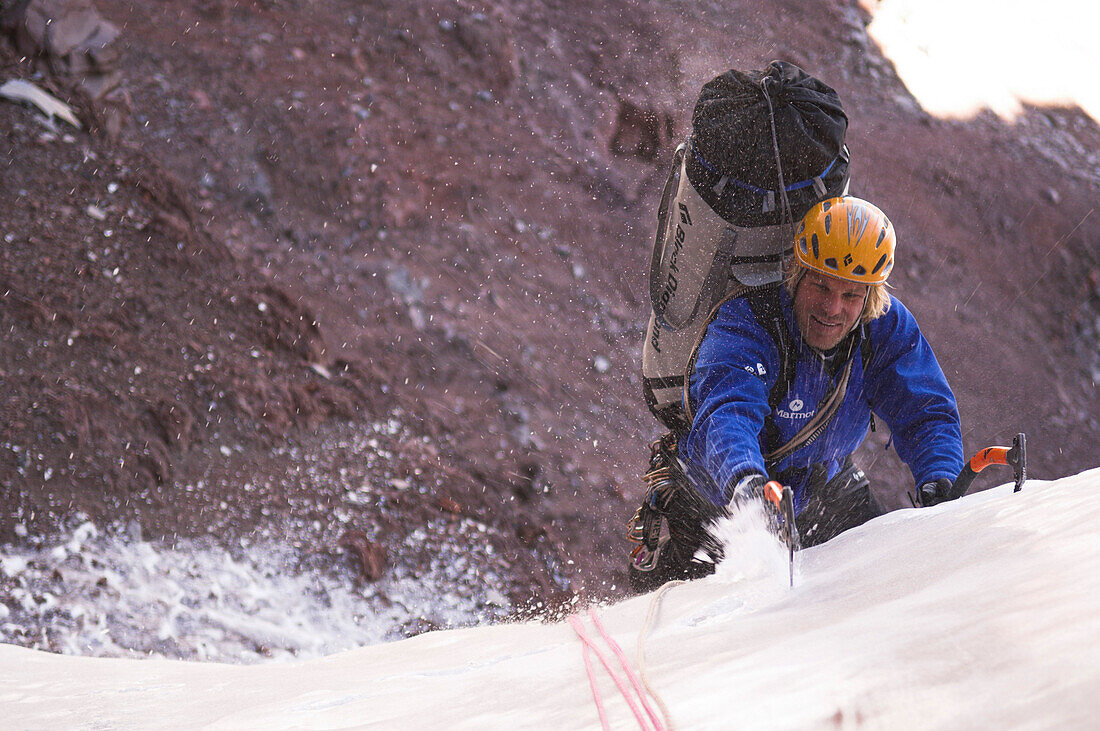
(284, 225)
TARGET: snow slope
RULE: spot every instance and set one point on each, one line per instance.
(977, 613)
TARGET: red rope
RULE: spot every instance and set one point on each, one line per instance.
(575, 621)
(626, 666)
(627, 693)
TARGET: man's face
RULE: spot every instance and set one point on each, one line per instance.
(827, 308)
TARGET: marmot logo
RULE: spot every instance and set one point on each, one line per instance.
(794, 410)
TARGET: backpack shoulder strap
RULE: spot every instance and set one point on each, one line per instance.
(865, 355)
(865, 351)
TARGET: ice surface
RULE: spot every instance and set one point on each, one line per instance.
(981, 613)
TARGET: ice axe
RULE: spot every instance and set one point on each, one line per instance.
(1014, 457)
(783, 499)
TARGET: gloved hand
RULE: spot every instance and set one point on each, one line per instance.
(934, 493)
(749, 487)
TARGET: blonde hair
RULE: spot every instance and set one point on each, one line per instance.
(876, 305)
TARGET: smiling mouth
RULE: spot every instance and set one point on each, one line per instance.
(822, 323)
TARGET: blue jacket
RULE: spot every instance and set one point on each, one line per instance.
(738, 363)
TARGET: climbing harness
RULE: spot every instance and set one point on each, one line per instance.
(663, 478)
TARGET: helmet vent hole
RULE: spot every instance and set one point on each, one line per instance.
(828, 223)
(859, 271)
(802, 244)
(813, 242)
(831, 263)
(881, 236)
(881, 263)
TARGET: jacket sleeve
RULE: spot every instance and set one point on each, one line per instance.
(737, 365)
(908, 389)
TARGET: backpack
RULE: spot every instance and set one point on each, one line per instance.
(727, 213)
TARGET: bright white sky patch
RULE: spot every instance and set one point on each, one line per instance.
(958, 56)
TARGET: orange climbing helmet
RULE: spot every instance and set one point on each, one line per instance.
(847, 238)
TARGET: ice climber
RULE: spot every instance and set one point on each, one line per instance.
(765, 372)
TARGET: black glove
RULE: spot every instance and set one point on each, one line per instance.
(749, 487)
(934, 493)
